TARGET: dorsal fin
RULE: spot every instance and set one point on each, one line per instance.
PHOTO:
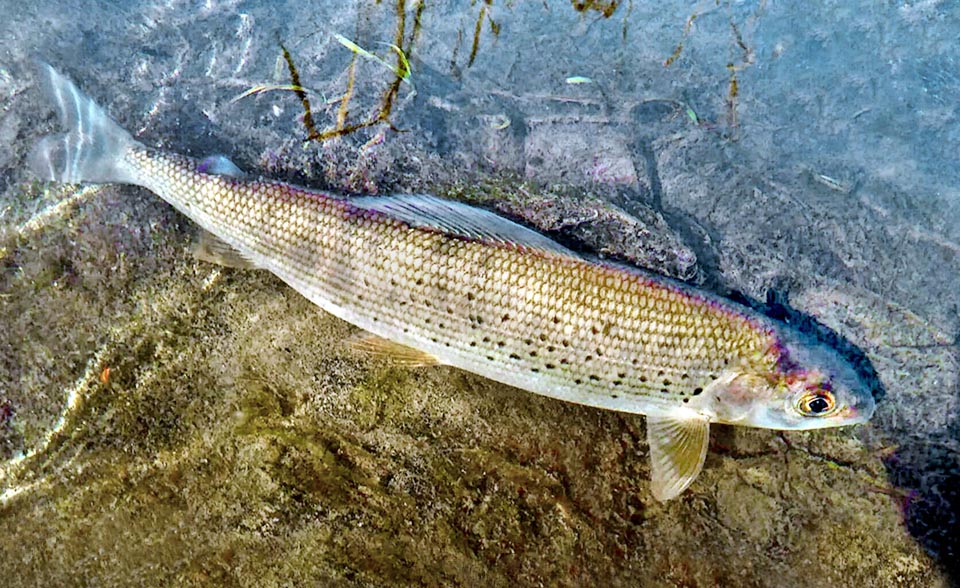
(422, 210)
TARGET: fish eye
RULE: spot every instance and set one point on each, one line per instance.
(817, 403)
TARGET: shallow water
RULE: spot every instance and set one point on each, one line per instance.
(166, 421)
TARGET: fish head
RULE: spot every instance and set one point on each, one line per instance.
(806, 385)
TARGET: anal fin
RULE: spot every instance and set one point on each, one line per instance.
(396, 353)
(208, 247)
(678, 448)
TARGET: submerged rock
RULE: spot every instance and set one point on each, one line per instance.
(235, 433)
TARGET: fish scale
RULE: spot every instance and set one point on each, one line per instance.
(557, 325)
(437, 282)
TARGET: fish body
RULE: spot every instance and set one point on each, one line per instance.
(439, 282)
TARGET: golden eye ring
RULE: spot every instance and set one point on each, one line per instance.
(817, 403)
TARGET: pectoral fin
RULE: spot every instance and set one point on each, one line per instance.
(678, 447)
(396, 353)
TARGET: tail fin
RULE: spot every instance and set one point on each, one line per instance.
(92, 149)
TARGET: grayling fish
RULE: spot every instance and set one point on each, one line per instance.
(438, 282)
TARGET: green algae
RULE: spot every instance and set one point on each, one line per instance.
(381, 397)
